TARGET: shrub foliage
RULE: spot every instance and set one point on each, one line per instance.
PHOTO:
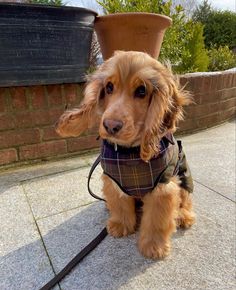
(219, 26)
(46, 2)
(221, 58)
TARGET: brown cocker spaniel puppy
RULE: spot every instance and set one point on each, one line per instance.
(137, 103)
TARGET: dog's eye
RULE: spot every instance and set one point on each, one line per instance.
(102, 94)
(109, 88)
(140, 92)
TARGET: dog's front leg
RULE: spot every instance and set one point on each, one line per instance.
(158, 220)
(122, 219)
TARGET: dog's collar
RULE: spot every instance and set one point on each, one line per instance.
(168, 138)
(120, 148)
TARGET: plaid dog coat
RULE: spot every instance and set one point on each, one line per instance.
(136, 177)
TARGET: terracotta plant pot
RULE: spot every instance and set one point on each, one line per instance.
(131, 31)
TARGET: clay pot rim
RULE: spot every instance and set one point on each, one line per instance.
(134, 14)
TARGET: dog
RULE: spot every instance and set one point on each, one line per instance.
(137, 103)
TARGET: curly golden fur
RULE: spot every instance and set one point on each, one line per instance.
(136, 101)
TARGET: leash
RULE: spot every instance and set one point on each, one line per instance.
(91, 246)
(95, 164)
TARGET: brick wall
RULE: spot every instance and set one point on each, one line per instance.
(27, 118)
(27, 115)
(214, 96)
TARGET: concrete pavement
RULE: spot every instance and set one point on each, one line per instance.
(47, 217)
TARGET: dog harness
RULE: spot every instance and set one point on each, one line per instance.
(136, 177)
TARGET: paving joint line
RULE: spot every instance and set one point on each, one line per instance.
(60, 212)
(53, 173)
(222, 195)
(41, 236)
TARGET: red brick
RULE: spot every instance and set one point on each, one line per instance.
(228, 114)
(38, 97)
(214, 86)
(228, 93)
(226, 80)
(73, 94)
(43, 150)
(219, 82)
(82, 143)
(197, 84)
(2, 92)
(2, 104)
(207, 84)
(24, 120)
(201, 110)
(55, 96)
(211, 97)
(197, 98)
(228, 104)
(183, 80)
(18, 98)
(187, 83)
(209, 121)
(6, 122)
(226, 83)
(70, 92)
(234, 80)
(53, 116)
(8, 156)
(37, 118)
(230, 80)
(20, 137)
(189, 125)
(2, 100)
(49, 133)
(17, 91)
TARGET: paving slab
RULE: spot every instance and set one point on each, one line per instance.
(13, 176)
(47, 216)
(65, 234)
(201, 258)
(211, 156)
(56, 193)
(24, 264)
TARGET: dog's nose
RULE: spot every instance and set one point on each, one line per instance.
(112, 126)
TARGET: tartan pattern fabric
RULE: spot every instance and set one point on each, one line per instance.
(134, 176)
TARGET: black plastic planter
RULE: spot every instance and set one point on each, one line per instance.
(44, 44)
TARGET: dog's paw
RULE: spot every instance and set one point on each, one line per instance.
(154, 249)
(118, 229)
(185, 219)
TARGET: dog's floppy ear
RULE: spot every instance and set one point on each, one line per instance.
(74, 122)
(165, 110)
(179, 98)
(153, 126)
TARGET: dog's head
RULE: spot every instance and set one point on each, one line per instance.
(135, 99)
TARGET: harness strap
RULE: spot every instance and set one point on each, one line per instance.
(176, 171)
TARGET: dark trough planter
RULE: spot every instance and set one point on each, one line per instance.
(44, 44)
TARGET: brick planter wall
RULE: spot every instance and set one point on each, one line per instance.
(27, 118)
(27, 115)
(214, 96)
